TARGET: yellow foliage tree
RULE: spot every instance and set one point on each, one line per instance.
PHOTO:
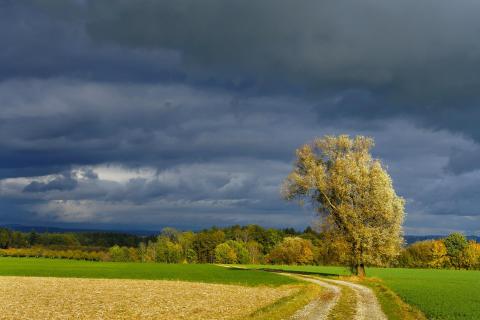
(470, 257)
(292, 250)
(354, 196)
(439, 257)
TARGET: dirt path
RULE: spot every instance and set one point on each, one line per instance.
(321, 307)
(367, 306)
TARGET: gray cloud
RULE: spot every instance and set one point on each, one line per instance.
(221, 166)
(74, 122)
(383, 60)
(427, 49)
(44, 39)
(202, 104)
(60, 183)
(463, 161)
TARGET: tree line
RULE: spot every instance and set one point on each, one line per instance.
(454, 251)
(67, 240)
(251, 244)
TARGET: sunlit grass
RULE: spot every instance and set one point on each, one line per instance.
(440, 294)
(40, 267)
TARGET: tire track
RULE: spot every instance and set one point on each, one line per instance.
(320, 308)
(367, 306)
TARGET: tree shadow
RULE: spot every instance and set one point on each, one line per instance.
(306, 273)
(273, 270)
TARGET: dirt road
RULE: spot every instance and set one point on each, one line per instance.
(367, 306)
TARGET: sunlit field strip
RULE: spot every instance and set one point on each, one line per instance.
(154, 271)
(440, 294)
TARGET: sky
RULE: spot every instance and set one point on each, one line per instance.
(118, 114)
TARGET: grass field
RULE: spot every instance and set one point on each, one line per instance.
(152, 271)
(440, 294)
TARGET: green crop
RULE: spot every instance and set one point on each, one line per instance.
(40, 267)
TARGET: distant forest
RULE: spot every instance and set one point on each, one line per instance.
(250, 244)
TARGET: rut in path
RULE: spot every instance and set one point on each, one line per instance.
(367, 306)
(319, 308)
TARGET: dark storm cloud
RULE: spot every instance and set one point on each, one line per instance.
(426, 49)
(56, 123)
(463, 161)
(387, 59)
(47, 39)
(187, 113)
(60, 183)
(213, 154)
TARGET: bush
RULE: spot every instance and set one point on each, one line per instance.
(168, 251)
(41, 252)
(225, 254)
(455, 243)
(425, 254)
(292, 250)
(470, 256)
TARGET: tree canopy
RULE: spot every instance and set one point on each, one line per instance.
(353, 195)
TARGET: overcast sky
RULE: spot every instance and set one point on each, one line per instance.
(141, 114)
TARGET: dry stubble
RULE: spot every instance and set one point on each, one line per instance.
(69, 298)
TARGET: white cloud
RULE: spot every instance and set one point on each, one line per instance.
(122, 174)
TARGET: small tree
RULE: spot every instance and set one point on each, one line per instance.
(292, 250)
(168, 251)
(4, 238)
(119, 254)
(425, 254)
(225, 254)
(243, 257)
(353, 194)
(142, 251)
(470, 257)
(204, 244)
(191, 256)
(455, 244)
(171, 234)
(254, 251)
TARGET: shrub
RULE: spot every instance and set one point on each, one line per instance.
(41, 252)
(292, 250)
(168, 251)
(224, 253)
(455, 243)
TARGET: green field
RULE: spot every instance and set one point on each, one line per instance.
(40, 267)
(440, 294)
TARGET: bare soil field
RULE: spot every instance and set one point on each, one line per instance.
(71, 298)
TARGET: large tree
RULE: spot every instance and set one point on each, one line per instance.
(353, 195)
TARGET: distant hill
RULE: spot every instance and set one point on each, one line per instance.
(413, 239)
(42, 229)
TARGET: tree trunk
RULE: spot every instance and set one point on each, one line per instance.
(360, 270)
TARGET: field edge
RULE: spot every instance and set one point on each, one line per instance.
(285, 307)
